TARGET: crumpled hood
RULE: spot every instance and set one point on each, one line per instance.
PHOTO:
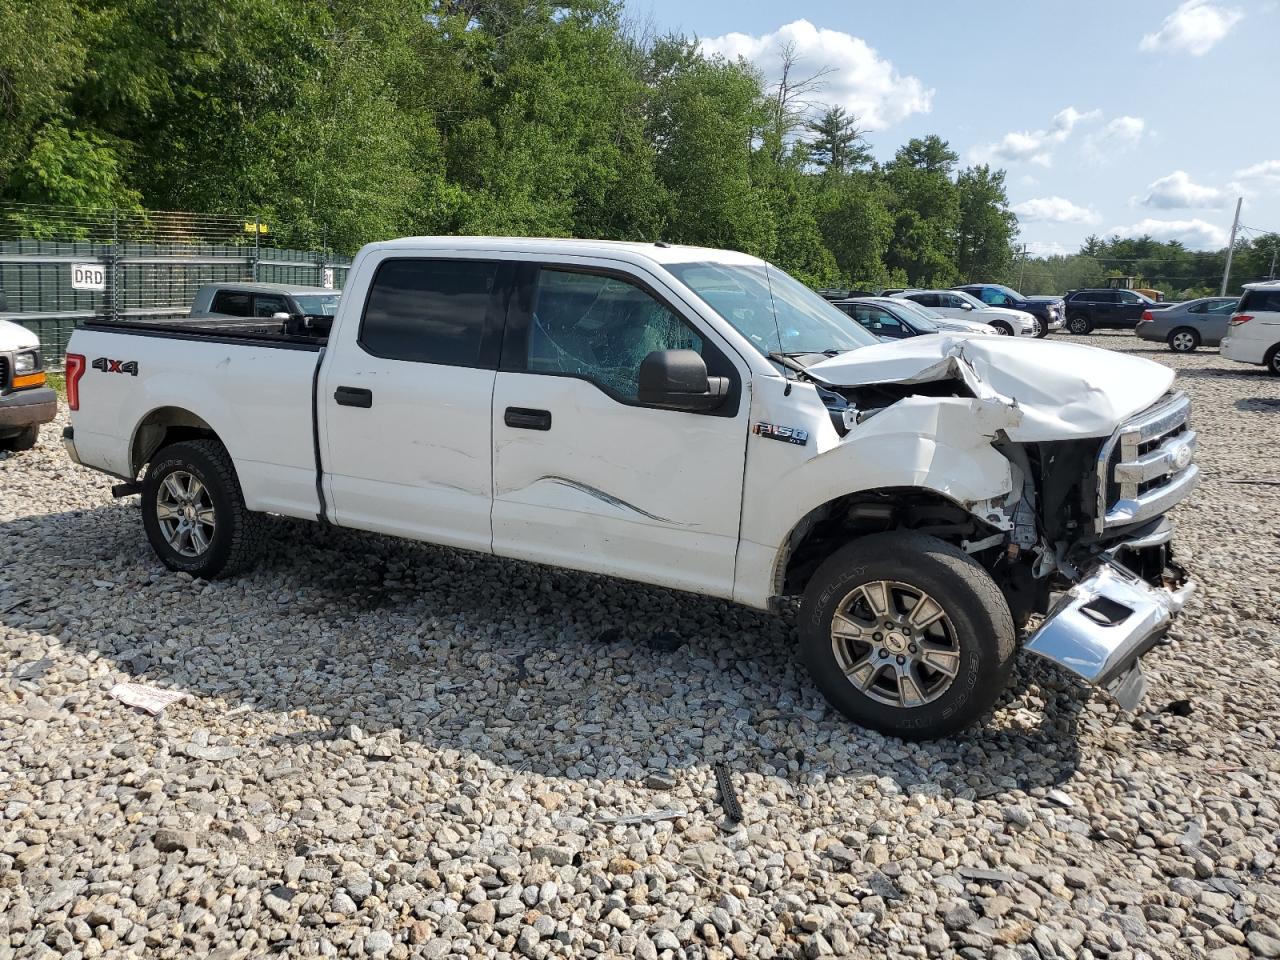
(1061, 390)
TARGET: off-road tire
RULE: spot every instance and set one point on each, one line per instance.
(1080, 325)
(956, 582)
(23, 440)
(237, 535)
(1183, 340)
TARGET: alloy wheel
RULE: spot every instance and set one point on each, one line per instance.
(895, 644)
(1183, 341)
(185, 512)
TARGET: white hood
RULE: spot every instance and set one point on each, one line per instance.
(1060, 390)
(16, 337)
(963, 326)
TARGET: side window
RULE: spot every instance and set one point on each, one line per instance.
(600, 328)
(428, 311)
(993, 297)
(1260, 301)
(1128, 296)
(1225, 306)
(1200, 307)
(950, 300)
(231, 303)
(1103, 296)
(265, 304)
(885, 324)
(924, 299)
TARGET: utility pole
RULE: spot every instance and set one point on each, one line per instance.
(1022, 269)
(1272, 274)
(1231, 247)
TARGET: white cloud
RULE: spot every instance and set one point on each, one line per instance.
(1195, 233)
(1120, 134)
(1053, 210)
(1033, 146)
(1265, 175)
(1195, 27)
(863, 82)
(1178, 191)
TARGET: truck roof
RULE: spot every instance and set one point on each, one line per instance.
(266, 287)
(658, 252)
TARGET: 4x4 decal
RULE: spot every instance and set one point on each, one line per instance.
(116, 366)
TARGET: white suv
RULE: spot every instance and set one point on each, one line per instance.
(962, 306)
(1253, 336)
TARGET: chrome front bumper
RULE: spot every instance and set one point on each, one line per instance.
(1100, 628)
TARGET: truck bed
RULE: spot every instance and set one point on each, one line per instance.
(265, 332)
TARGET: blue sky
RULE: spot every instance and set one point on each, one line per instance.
(1144, 116)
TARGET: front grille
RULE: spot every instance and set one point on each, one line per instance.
(4, 374)
(1146, 466)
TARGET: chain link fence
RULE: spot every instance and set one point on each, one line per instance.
(61, 266)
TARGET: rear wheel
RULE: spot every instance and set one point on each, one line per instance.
(1273, 361)
(1183, 340)
(24, 439)
(907, 635)
(193, 511)
(1080, 324)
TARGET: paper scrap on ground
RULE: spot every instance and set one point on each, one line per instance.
(151, 699)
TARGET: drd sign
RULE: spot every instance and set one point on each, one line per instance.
(88, 276)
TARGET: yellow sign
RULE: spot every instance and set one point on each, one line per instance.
(256, 228)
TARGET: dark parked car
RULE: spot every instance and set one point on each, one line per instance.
(1047, 310)
(1087, 309)
(892, 319)
(1186, 326)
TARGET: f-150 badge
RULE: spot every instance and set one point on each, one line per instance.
(772, 431)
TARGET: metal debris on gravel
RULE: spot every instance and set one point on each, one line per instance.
(395, 750)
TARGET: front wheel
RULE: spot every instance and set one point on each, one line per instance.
(24, 439)
(1183, 340)
(1002, 328)
(193, 511)
(1042, 328)
(907, 635)
(1079, 325)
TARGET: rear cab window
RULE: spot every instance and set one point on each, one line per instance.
(234, 303)
(433, 311)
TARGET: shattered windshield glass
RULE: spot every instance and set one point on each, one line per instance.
(776, 312)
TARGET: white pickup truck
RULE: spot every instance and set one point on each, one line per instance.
(691, 418)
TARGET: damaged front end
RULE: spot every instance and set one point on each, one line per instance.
(1082, 536)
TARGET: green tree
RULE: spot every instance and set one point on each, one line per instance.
(926, 211)
(986, 225)
(837, 145)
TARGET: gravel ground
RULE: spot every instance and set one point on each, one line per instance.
(390, 749)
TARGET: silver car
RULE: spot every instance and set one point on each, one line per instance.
(1185, 326)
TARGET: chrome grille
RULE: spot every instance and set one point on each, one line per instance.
(1146, 466)
(4, 373)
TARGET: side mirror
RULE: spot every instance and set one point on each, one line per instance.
(677, 380)
(965, 305)
(282, 315)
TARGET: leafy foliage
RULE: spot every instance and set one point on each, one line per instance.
(346, 122)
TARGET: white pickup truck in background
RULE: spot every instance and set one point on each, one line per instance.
(685, 417)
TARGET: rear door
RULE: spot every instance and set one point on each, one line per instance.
(406, 397)
(585, 475)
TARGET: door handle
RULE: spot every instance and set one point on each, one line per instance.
(522, 418)
(353, 397)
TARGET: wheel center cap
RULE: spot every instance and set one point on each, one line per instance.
(189, 512)
(895, 642)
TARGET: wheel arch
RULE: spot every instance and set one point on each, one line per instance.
(832, 525)
(161, 427)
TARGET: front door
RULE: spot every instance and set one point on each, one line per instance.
(406, 397)
(585, 476)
